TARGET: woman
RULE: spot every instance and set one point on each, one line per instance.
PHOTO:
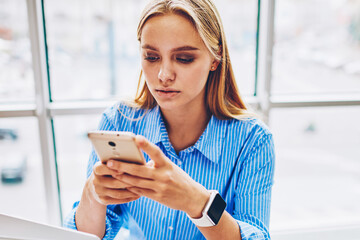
(197, 136)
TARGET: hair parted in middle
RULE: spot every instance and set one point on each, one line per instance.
(222, 96)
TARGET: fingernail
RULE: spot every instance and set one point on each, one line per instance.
(110, 164)
(140, 138)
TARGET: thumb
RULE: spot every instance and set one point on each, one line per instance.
(153, 151)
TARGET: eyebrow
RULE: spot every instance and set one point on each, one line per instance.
(184, 48)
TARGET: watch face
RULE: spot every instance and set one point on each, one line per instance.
(217, 208)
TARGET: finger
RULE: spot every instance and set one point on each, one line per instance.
(131, 168)
(93, 190)
(143, 192)
(101, 169)
(109, 200)
(109, 182)
(117, 194)
(137, 182)
(153, 151)
(150, 163)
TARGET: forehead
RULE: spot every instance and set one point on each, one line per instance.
(170, 30)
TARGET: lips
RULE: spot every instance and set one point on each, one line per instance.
(167, 93)
(166, 89)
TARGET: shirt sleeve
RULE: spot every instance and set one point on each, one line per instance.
(253, 193)
(116, 215)
(114, 221)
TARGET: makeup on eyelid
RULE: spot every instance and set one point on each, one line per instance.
(185, 59)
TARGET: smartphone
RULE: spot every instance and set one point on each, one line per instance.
(116, 145)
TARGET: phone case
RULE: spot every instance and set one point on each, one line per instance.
(116, 145)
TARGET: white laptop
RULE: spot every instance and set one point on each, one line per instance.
(13, 228)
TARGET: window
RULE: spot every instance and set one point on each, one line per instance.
(317, 47)
(78, 60)
(93, 48)
(20, 159)
(314, 110)
(16, 75)
(240, 23)
(73, 155)
(21, 170)
(94, 52)
(317, 168)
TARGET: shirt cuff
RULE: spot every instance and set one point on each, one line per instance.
(249, 232)
(113, 222)
(69, 221)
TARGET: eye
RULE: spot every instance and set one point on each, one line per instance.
(151, 58)
(185, 60)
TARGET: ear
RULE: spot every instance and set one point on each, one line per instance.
(214, 65)
(216, 62)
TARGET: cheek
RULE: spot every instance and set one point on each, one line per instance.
(149, 71)
(198, 76)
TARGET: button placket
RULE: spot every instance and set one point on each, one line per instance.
(180, 159)
(170, 224)
(180, 162)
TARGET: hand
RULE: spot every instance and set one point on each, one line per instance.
(106, 189)
(162, 181)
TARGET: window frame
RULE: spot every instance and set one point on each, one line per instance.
(45, 110)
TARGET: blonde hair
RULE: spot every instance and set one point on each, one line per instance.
(222, 96)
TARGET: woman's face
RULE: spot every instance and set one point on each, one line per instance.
(175, 62)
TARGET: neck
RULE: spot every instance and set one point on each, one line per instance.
(185, 126)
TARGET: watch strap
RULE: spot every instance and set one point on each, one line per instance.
(205, 220)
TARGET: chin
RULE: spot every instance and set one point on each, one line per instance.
(168, 105)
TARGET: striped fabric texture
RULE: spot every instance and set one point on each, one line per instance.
(234, 157)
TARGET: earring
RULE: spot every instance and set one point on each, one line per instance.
(212, 68)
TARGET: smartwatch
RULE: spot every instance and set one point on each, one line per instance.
(212, 212)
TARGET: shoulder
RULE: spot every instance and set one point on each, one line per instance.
(246, 135)
(123, 109)
(121, 115)
(249, 127)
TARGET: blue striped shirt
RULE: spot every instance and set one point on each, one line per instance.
(234, 157)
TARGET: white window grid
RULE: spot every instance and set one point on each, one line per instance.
(44, 110)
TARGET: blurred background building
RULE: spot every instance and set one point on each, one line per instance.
(297, 62)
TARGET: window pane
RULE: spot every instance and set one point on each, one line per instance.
(73, 151)
(240, 22)
(317, 47)
(318, 167)
(16, 75)
(22, 185)
(94, 52)
(93, 48)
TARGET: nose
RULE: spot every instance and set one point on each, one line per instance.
(166, 73)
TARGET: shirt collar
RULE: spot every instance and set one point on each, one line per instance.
(155, 123)
(209, 144)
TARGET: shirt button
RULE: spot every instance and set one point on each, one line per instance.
(170, 228)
